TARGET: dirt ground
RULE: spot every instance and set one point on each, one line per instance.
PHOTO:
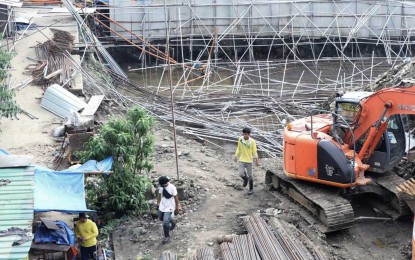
(218, 202)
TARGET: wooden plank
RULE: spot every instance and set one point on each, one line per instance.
(92, 105)
(50, 247)
(10, 161)
(49, 223)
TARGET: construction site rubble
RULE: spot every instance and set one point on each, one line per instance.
(53, 65)
(224, 81)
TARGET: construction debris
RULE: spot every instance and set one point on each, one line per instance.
(25, 235)
(53, 66)
(400, 75)
(61, 102)
(62, 41)
(76, 142)
(92, 105)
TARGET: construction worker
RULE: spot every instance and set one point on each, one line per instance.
(246, 152)
(86, 232)
(168, 206)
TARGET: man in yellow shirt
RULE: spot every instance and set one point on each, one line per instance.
(246, 153)
(86, 232)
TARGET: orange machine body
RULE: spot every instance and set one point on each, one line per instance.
(301, 152)
(311, 152)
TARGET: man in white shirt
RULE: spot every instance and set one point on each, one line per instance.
(168, 206)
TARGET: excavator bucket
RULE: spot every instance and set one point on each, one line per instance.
(407, 190)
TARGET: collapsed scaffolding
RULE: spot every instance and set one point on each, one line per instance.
(231, 79)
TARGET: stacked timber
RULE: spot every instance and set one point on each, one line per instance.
(62, 41)
(53, 65)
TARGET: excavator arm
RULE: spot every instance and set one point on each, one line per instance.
(372, 120)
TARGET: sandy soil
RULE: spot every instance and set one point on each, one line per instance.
(27, 136)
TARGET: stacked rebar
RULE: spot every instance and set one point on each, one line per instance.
(168, 256)
(268, 246)
(204, 254)
(241, 247)
(296, 249)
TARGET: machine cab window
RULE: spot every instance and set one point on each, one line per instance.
(348, 111)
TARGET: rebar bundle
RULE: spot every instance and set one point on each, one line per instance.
(297, 250)
(204, 254)
(168, 256)
(241, 247)
(277, 244)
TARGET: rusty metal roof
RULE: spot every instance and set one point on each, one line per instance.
(16, 209)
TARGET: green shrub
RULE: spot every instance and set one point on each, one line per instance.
(8, 106)
(130, 142)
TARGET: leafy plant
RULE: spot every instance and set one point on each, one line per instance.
(130, 142)
(8, 106)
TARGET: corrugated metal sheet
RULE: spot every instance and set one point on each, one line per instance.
(60, 101)
(16, 209)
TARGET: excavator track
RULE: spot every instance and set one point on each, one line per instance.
(407, 191)
(325, 203)
(397, 205)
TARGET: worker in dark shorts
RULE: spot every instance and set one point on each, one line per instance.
(246, 152)
(168, 206)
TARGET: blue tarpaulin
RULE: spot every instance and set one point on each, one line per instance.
(64, 190)
(62, 236)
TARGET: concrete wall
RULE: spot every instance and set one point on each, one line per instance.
(241, 19)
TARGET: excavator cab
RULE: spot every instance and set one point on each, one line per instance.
(390, 148)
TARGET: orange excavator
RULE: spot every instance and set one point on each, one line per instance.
(330, 157)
